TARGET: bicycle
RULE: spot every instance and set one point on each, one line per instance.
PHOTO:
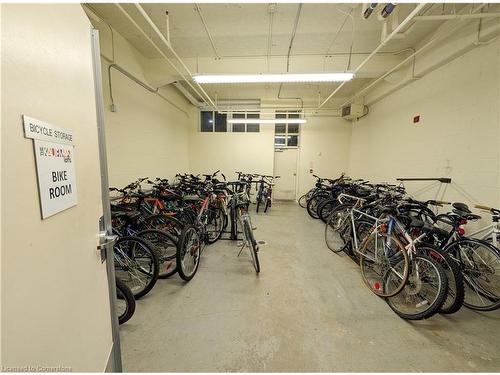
(195, 236)
(239, 217)
(264, 191)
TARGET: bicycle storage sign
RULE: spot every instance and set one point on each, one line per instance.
(55, 164)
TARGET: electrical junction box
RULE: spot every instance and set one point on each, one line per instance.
(353, 111)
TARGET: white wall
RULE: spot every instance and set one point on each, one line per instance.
(147, 135)
(55, 303)
(324, 148)
(457, 137)
(231, 152)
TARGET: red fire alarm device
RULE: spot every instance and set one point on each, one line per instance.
(416, 119)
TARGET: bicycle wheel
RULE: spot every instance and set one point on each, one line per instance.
(165, 246)
(252, 244)
(423, 294)
(215, 224)
(268, 204)
(258, 202)
(363, 230)
(136, 264)
(338, 228)
(480, 264)
(188, 253)
(456, 292)
(325, 208)
(312, 204)
(303, 201)
(380, 257)
(125, 302)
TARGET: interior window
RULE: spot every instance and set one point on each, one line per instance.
(238, 128)
(207, 121)
(280, 129)
(221, 122)
(293, 128)
(253, 128)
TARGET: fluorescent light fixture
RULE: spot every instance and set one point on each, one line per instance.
(267, 121)
(273, 78)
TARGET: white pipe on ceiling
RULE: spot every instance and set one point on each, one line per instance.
(159, 51)
(410, 57)
(169, 46)
(198, 9)
(187, 94)
(446, 17)
(382, 44)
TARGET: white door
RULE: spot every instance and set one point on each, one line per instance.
(56, 302)
(285, 166)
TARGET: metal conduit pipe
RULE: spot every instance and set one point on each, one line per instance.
(427, 71)
(406, 60)
(382, 44)
(198, 9)
(187, 94)
(446, 17)
(94, 14)
(271, 11)
(140, 83)
(292, 38)
(159, 51)
(169, 46)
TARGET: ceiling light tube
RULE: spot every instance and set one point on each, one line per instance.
(273, 78)
(266, 121)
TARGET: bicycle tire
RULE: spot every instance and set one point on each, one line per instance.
(303, 201)
(268, 204)
(123, 293)
(326, 208)
(364, 228)
(166, 248)
(189, 245)
(472, 282)
(147, 250)
(456, 290)
(335, 228)
(414, 286)
(214, 216)
(313, 203)
(378, 286)
(252, 245)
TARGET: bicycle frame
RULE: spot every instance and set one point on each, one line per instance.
(490, 231)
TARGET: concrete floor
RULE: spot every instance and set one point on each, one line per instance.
(308, 310)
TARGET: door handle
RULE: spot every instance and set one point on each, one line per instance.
(105, 240)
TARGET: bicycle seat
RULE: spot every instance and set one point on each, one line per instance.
(472, 217)
(426, 227)
(461, 207)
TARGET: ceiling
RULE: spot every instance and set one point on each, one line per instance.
(244, 32)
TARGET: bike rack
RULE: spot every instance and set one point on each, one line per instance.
(443, 180)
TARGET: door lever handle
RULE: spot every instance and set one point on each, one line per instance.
(105, 240)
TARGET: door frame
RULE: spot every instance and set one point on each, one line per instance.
(106, 238)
